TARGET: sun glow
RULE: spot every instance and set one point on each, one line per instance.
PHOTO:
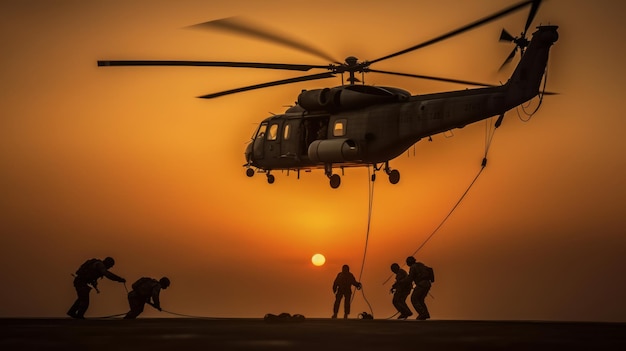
(318, 260)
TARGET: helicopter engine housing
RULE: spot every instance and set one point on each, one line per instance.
(348, 97)
(333, 150)
(315, 100)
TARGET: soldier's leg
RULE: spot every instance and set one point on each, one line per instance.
(426, 314)
(396, 302)
(136, 304)
(83, 300)
(346, 304)
(402, 307)
(417, 299)
(338, 297)
(74, 309)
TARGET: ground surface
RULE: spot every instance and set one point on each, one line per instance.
(311, 334)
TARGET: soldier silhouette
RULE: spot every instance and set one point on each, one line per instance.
(144, 290)
(342, 287)
(422, 276)
(401, 290)
(86, 278)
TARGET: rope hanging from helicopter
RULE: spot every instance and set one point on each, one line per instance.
(370, 183)
(490, 130)
(489, 134)
(541, 94)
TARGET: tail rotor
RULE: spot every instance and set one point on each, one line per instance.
(520, 42)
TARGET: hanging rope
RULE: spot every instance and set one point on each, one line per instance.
(488, 139)
(190, 316)
(541, 95)
(370, 187)
(111, 316)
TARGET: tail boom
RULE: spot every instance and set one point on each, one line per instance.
(526, 80)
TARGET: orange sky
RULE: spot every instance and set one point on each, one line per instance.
(127, 162)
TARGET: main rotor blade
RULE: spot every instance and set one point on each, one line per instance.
(440, 79)
(459, 30)
(531, 15)
(239, 25)
(269, 84)
(284, 66)
(508, 59)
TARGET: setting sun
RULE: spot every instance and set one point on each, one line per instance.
(318, 260)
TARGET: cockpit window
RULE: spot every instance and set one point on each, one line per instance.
(273, 132)
(339, 128)
(261, 132)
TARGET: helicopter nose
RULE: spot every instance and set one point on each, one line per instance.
(248, 152)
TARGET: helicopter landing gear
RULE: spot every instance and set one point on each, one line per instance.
(393, 174)
(270, 178)
(250, 172)
(335, 179)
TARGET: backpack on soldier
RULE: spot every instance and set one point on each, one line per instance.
(86, 269)
(427, 272)
(143, 286)
(430, 273)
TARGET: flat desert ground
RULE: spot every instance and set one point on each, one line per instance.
(310, 334)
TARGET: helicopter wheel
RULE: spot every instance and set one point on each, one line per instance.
(373, 177)
(394, 176)
(335, 181)
(249, 172)
(270, 179)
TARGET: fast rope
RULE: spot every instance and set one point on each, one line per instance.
(541, 94)
(490, 132)
(191, 316)
(370, 187)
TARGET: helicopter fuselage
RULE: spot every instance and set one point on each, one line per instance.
(365, 125)
(370, 135)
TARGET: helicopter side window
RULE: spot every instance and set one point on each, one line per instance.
(273, 132)
(286, 132)
(339, 128)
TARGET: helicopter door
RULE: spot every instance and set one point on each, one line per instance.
(259, 141)
(290, 140)
(271, 147)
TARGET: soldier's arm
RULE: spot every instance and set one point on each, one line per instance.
(114, 277)
(155, 298)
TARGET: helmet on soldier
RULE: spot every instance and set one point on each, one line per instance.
(395, 267)
(164, 282)
(108, 262)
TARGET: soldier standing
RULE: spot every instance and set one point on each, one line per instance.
(401, 290)
(419, 274)
(87, 277)
(342, 287)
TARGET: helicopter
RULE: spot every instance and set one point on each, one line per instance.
(359, 125)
